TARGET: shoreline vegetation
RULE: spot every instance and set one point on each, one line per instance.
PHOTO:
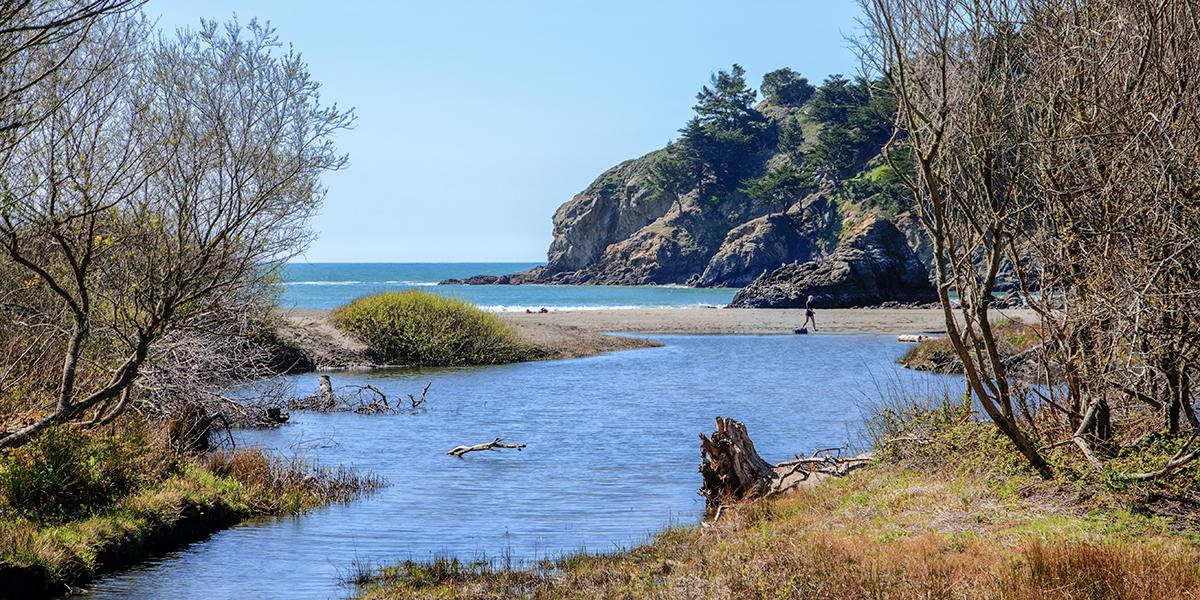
(154, 185)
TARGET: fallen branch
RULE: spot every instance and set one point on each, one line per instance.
(495, 444)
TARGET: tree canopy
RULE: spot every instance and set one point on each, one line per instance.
(729, 102)
(780, 186)
(786, 87)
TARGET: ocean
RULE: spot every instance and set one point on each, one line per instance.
(330, 285)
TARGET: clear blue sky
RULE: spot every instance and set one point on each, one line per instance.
(477, 119)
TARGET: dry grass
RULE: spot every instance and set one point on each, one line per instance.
(274, 485)
(886, 533)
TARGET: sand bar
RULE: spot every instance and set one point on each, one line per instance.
(573, 333)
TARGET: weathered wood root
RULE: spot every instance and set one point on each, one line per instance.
(733, 471)
(731, 468)
(495, 444)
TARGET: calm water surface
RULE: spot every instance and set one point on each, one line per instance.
(611, 458)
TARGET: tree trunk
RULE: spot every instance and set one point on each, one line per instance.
(1102, 430)
(731, 467)
(1174, 400)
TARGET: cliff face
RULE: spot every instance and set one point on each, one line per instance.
(806, 230)
(614, 207)
(620, 230)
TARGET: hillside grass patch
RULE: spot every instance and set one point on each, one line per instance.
(415, 328)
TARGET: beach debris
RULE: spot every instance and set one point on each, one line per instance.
(730, 466)
(733, 471)
(495, 444)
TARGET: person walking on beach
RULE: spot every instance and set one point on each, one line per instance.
(809, 315)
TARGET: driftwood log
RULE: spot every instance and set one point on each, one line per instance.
(495, 444)
(730, 466)
(733, 471)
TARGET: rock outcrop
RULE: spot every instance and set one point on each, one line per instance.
(872, 266)
(807, 230)
(613, 208)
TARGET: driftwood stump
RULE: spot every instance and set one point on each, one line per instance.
(734, 472)
(731, 467)
(325, 393)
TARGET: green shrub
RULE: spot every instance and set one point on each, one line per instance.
(421, 329)
(65, 474)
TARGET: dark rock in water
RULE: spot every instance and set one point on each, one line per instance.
(874, 265)
(478, 280)
(1012, 299)
(513, 279)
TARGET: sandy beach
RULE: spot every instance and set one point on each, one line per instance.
(575, 333)
(750, 320)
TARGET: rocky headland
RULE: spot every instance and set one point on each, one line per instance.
(833, 220)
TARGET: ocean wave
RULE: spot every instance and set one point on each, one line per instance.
(401, 282)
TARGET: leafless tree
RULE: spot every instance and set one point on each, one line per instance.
(1063, 138)
(954, 71)
(37, 39)
(1113, 111)
(160, 198)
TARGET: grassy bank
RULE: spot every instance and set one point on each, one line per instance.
(884, 533)
(950, 516)
(75, 504)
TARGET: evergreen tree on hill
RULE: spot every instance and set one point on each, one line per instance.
(786, 87)
(722, 141)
